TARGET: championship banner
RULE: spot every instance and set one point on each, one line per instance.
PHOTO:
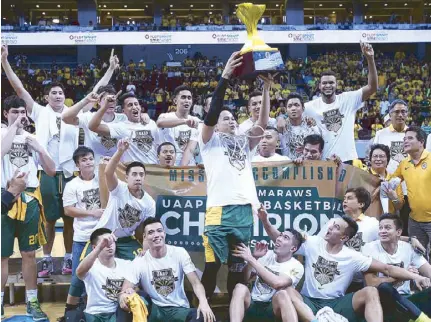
(301, 197)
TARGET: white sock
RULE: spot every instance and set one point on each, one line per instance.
(68, 256)
(2, 295)
(47, 257)
(31, 295)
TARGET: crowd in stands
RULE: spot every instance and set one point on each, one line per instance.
(401, 76)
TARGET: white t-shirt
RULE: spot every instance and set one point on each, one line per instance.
(54, 143)
(85, 195)
(368, 231)
(179, 136)
(145, 140)
(428, 146)
(163, 278)
(327, 276)
(395, 142)
(21, 157)
(248, 124)
(101, 145)
(292, 139)
(227, 161)
(274, 158)
(124, 212)
(103, 284)
(336, 121)
(262, 292)
(404, 257)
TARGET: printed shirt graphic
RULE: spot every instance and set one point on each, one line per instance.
(21, 157)
(292, 140)
(103, 285)
(261, 291)
(124, 213)
(405, 256)
(144, 143)
(163, 278)
(327, 276)
(336, 122)
(179, 136)
(54, 143)
(227, 159)
(85, 195)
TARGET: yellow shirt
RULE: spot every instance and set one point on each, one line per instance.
(375, 128)
(418, 181)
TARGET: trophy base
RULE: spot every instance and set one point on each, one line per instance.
(255, 63)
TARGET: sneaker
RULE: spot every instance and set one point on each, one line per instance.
(67, 267)
(34, 310)
(47, 268)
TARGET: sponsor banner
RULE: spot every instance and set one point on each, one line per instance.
(303, 197)
(214, 37)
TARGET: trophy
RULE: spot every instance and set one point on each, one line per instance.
(258, 57)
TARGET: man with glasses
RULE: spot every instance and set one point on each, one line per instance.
(393, 136)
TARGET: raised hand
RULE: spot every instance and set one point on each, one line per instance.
(268, 80)
(260, 250)
(243, 252)
(367, 50)
(234, 61)
(114, 62)
(93, 97)
(21, 121)
(106, 241)
(123, 145)
(262, 214)
(4, 52)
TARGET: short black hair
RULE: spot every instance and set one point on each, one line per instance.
(149, 221)
(108, 89)
(420, 134)
(362, 195)
(395, 218)
(328, 73)
(48, 87)
(295, 95)
(297, 236)
(81, 151)
(135, 164)
(253, 94)
(180, 88)
(382, 147)
(271, 128)
(352, 228)
(125, 96)
(13, 101)
(315, 139)
(397, 101)
(163, 144)
(98, 232)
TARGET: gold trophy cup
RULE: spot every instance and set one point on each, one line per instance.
(258, 57)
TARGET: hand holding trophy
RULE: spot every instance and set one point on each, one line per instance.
(258, 57)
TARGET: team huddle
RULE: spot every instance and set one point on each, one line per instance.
(357, 267)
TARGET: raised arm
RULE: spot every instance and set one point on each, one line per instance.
(372, 85)
(199, 291)
(88, 262)
(272, 232)
(256, 131)
(114, 63)
(6, 141)
(211, 118)
(45, 159)
(15, 81)
(111, 177)
(167, 121)
(95, 123)
(70, 115)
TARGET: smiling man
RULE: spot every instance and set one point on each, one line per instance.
(167, 154)
(144, 138)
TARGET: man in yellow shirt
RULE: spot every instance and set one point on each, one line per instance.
(415, 170)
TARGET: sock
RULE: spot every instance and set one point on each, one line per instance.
(2, 295)
(47, 257)
(31, 295)
(68, 256)
(422, 318)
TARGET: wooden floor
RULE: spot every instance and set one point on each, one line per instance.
(53, 310)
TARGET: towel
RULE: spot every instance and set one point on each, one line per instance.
(137, 307)
(326, 314)
(19, 210)
(46, 127)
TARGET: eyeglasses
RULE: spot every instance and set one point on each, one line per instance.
(402, 112)
(383, 157)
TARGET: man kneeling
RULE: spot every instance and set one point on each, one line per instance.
(276, 270)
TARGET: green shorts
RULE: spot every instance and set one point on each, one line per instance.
(26, 231)
(260, 311)
(103, 317)
(51, 189)
(422, 300)
(341, 305)
(226, 227)
(126, 248)
(171, 314)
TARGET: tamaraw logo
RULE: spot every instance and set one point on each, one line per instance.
(83, 38)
